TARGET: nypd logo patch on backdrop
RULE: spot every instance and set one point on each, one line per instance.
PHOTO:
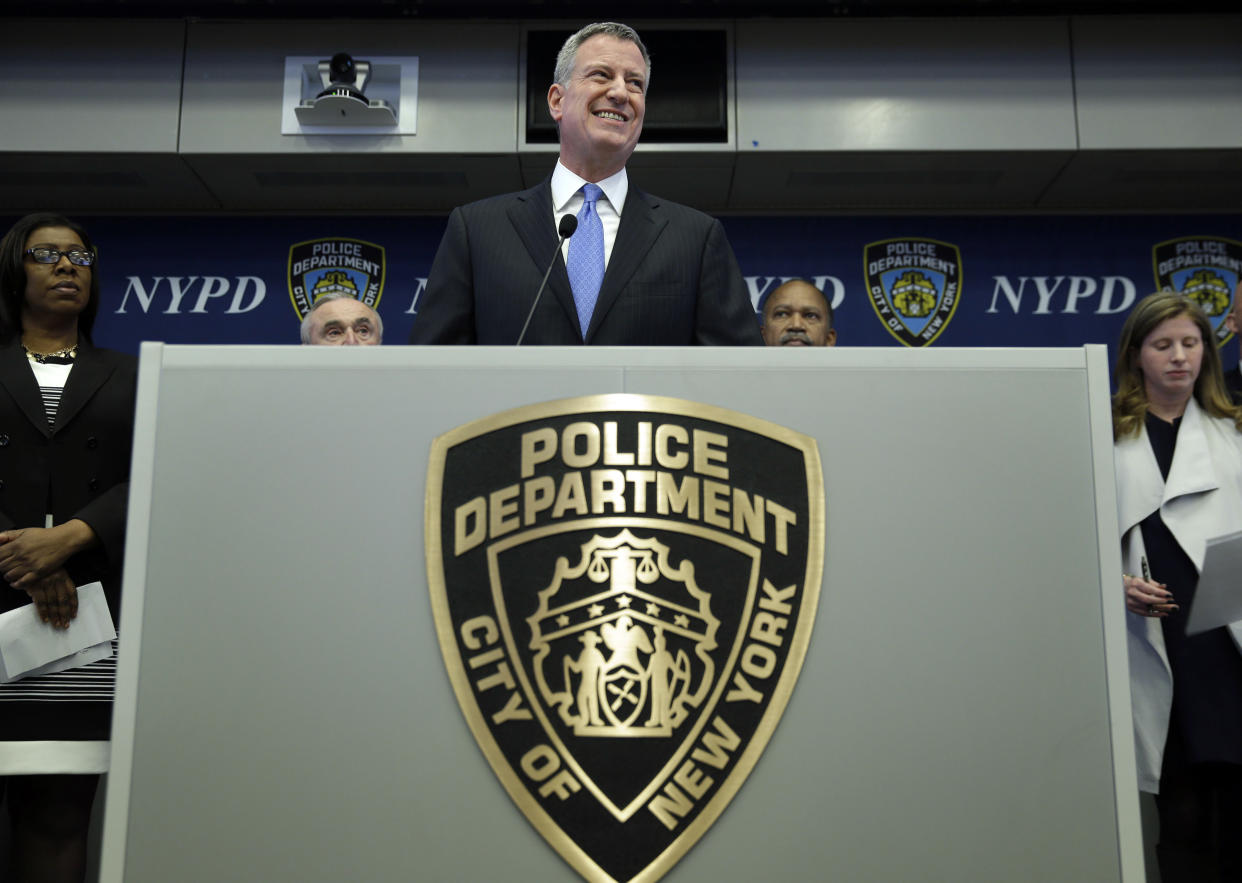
(624, 588)
(1204, 268)
(914, 285)
(335, 266)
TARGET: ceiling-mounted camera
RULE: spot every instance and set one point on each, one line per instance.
(343, 101)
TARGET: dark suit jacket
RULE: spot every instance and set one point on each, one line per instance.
(672, 279)
(1233, 382)
(80, 468)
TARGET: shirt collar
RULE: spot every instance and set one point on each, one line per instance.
(565, 184)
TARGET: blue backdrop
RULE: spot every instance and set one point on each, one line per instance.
(907, 281)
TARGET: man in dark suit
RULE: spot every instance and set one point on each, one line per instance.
(638, 271)
(1233, 377)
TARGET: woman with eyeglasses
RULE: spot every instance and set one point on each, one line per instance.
(1178, 458)
(66, 428)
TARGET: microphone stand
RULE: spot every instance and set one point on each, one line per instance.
(566, 228)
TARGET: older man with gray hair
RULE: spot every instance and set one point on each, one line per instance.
(632, 270)
(341, 320)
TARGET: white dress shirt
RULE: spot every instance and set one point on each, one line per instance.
(567, 200)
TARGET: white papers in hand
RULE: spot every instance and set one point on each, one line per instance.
(1218, 596)
(29, 646)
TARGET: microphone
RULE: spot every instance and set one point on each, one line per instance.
(566, 228)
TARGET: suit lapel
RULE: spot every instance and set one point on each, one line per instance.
(531, 216)
(1189, 511)
(88, 374)
(1140, 486)
(19, 382)
(1193, 471)
(641, 223)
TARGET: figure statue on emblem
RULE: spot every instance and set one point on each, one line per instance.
(589, 665)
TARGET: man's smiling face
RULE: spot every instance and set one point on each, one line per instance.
(600, 110)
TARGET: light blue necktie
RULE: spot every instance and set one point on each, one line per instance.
(586, 257)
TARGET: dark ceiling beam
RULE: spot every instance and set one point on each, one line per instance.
(572, 10)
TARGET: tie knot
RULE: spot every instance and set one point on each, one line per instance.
(591, 192)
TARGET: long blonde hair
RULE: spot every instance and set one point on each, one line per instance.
(1130, 400)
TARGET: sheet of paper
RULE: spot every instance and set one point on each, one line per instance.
(1218, 597)
(30, 646)
(77, 660)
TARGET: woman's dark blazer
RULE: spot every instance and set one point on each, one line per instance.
(77, 469)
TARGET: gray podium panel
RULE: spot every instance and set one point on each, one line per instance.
(283, 712)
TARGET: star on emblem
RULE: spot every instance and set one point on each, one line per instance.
(653, 609)
(595, 610)
(682, 620)
(624, 601)
(562, 620)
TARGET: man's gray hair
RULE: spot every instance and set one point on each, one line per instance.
(331, 296)
(569, 51)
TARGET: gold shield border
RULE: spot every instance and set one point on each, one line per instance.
(455, 666)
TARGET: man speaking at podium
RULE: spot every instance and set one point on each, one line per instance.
(634, 270)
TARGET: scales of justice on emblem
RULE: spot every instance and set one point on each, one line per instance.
(622, 640)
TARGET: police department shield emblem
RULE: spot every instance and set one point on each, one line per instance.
(914, 285)
(335, 266)
(624, 588)
(1204, 268)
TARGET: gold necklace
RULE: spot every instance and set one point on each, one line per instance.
(68, 354)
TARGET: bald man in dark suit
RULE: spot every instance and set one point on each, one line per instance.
(669, 276)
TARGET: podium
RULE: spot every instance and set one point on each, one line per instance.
(283, 709)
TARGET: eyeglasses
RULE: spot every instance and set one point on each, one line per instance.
(44, 255)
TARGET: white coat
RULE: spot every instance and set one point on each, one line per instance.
(1202, 499)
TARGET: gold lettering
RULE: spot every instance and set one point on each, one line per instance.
(758, 661)
(513, 711)
(644, 443)
(502, 677)
(673, 498)
(748, 518)
(671, 806)
(613, 457)
(692, 779)
(538, 446)
(541, 764)
(716, 503)
(536, 496)
(640, 478)
(666, 433)
(487, 657)
(503, 509)
(562, 785)
(709, 450)
(471, 628)
(777, 600)
(572, 495)
(467, 535)
(589, 433)
(715, 746)
(607, 489)
(742, 691)
(784, 517)
(768, 628)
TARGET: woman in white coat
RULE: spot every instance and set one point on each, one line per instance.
(1178, 456)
